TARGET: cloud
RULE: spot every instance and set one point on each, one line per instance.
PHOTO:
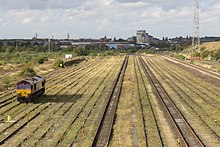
(108, 2)
(133, 4)
(27, 20)
(40, 4)
(96, 18)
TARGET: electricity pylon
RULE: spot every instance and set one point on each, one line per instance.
(195, 35)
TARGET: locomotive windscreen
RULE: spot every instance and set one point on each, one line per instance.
(22, 86)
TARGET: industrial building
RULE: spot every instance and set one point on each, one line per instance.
(119, 45)
(143, 37)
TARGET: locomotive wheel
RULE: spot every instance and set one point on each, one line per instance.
(24, 99)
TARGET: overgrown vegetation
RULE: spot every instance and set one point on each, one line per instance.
(26, 53)
(181, 57)
(25, 58)
(216, 54)
(178, 56)
(6, 82)
(27, 71)
(58, 62)
(204, 53)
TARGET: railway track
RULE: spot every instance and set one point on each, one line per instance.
(185, 132)
(51, 77)
(200, 69)
(140, 101)
(38, 108)
(87, 117)
(74, 116)
(51, 83)
(104, 129)
(64, 110)
(82, 109)
(61, 113)
(196, 92)
(148, 117)
(198, 110)
(208, 89)
(192, 80)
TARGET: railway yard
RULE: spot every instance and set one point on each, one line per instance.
(131, 100)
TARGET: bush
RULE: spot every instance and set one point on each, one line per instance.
(58, 62)
(216, 54)
(81, 52)
(27, 72)
(204, 53)
(196, 54)
(181, 57)
(41, 60)
(2, 62)
(46, 59)
(150, 52)
(107, 53)
(202, 49)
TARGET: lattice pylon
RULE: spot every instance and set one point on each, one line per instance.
(195, 35)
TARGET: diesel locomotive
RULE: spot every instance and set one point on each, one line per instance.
(30, 88)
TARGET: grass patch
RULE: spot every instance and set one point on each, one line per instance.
(58, 62)
(27, 71)
(5, 83)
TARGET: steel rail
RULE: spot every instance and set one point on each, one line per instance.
(105, 124)
(185, 132)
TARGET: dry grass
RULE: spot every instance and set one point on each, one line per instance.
(211, 45)
(194, 113)
(12, 72)
(166, 131)
(10, 67)
(211, 65)
(123, 124)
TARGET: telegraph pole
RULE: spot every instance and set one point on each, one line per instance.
(49, 45)
(16, 45)
(68, 36)
(195, 35)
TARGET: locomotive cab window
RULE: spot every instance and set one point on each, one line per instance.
(20, 86)
(27, 86)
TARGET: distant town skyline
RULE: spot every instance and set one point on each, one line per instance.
(97, 18)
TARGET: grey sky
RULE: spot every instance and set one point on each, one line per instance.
(96, 18)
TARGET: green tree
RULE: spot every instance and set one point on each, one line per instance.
(9, 49)
(81, 52)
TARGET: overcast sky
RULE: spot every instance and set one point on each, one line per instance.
(113, 18)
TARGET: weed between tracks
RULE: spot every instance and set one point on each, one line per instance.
(135, 124)
(184, 98)
(45, 127)
(123, 123)
(69, 112)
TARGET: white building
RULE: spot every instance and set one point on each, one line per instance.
(68, 56)
(143, 37)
